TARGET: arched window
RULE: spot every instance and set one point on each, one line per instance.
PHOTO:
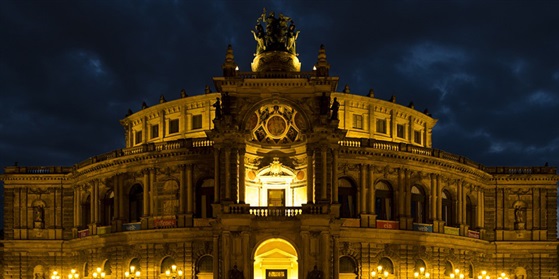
(205, 198)
(347, 197)
(447, 208)
(86, 212)
(348, 268)
(135, 262)
(85, 270)
(107, 267)
(419, 209)
(108, 208)
(205, 265)
(470, 213)
(166, 264)
(387, 265)
(448, 268)
(471, 271)
(418, 266)
(136, 203)
(384, 201)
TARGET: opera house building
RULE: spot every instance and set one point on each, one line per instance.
(275, 173)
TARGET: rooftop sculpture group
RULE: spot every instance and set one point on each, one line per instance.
(279, 34)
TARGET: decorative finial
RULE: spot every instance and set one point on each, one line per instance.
(426, 112)
(207, 90)
(393, 99)
(183, 93)
(411, 105)
(162, 99)
(144, 105)
(322, 66)
(229, 66)
(346, 89)
(129, 112)
(371, 93)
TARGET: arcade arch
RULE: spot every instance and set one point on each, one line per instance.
(276, 258)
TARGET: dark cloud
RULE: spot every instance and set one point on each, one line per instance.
(487, 70)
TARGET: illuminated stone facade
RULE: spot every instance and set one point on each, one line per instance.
(278, 174)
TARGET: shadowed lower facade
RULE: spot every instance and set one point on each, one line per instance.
(279, 175)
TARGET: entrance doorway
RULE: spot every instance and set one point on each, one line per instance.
(276, 258)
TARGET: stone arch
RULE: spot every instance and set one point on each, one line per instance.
(348, 197)
(385, 198)
(166, 263)
(275, 254)
(204, 267)
(348, 267)
(40, 272)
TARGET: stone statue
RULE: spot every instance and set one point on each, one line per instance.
(279, 34)
(259, 37)
(335, 107)
(183, 93)
(236, 273)
(315, 274)
(217, 106)
(292, 36)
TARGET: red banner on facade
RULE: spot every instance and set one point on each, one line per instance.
(164, 223)
(389, 225)
(473, 234)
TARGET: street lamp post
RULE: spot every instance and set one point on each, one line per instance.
(379, 274)
(422, 274)
(457, 274)
(503, 276)
(99, 273)
(73, 274)
(173, 273)
(55, 275)
(483, 275)
(132, 274)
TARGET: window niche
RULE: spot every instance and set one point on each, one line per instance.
(39, 214)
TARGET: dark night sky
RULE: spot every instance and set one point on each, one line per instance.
(487, 70)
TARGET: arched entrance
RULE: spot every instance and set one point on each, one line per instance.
(275, 258)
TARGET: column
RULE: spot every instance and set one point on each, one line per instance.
(92, 203)
(433, 197)
(463, 184)
(324, 182)
(146, 192)
(246, 258)
(325, 253)
(310, 176)
(228, 173)
(407, 182)
(76, 206)
(117, 192)
(182, 190)
(97, 201)
(216, 176)
(439, 196)
(122, 195)
(459, 202)
(152, 193)
(241, 175)
(363, 182)
(335, 175)
(226, 245)
(215, 255)
(189, 190)
(372, 190)
(401, 193)
(336, 263)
